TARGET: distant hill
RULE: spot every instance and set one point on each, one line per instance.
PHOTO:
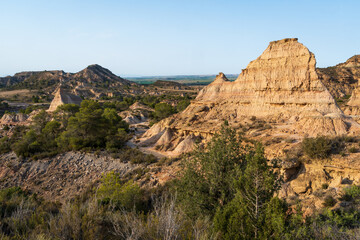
(93, 75)
(183, 79)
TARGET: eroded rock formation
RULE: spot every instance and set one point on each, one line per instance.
(63, 97)
(281, 87)
(352, 107)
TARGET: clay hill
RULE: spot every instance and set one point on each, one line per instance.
(91, 81)
(342, 78)
(281, 89)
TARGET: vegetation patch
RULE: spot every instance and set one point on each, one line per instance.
(322, 147)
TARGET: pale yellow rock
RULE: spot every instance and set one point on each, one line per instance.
(280, 86)
(187, 145)
(165, 138)
(61, 97)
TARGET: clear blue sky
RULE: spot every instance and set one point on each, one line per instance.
(173, 37)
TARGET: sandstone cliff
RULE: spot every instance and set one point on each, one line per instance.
(281, 87)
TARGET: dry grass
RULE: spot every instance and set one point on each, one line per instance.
(20, 92)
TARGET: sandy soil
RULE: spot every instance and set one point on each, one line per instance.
(14, 92)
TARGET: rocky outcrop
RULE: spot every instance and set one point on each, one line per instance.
(280, 86)
(343, 78)
(137, 113)
(61, 97)
(310, 183)
(13, 118)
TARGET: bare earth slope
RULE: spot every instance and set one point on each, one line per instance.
(342, 78)
(58, 178)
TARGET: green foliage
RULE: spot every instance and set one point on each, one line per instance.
(163, 110)
(74, 128)
(27, 145)
(351, 193)
(340, 217)
(64, 112)
(322, 147)
(325, 186)
(126, 195)
(182, 105)
(353, 150)
(35, 99)
(329, 201)
(3, 105)
(253, 213)
(151, 101)
(319, 147)
(5, 145)
(118, 105)
(31, 108)
(91, 127)
(208, 178)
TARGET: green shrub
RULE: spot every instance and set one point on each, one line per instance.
(123, 194)
(163, 110)
(182, 105)
(322, 147)
(353, 150)
(5, 145)
(329, 201)
(351, 193)
(342, 218)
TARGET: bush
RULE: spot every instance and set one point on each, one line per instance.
(322, 147)
(5, 145)
(351, 193)
(163, 110)
(182, 105)
(319, 147)
(123, 194)
(329, 201)
(353, 150)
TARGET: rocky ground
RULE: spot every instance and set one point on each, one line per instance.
(67, 175)
(61, 177)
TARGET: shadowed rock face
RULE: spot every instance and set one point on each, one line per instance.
(63, 97)
(281, 85)
(343, 78)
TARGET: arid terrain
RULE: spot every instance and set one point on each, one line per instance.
(62, 134)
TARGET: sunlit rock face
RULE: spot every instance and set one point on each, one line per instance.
(282, 80)
(280, 86)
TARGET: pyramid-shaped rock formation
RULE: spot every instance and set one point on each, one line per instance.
(62, 96)
(280, 85)
(282, 80)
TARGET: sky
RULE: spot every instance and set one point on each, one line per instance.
(173, 37)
